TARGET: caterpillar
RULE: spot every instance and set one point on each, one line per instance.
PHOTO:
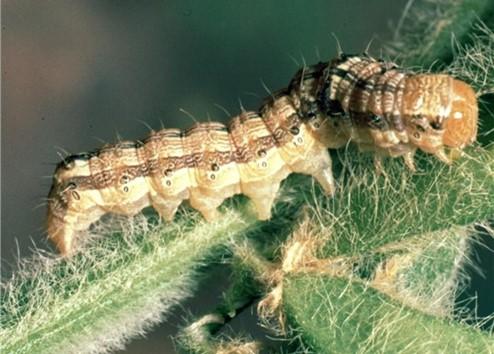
(369, 102)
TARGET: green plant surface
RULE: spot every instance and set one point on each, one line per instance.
(433, 271)
(425, 272)
(424, 36)
(127, 275)
(344, 316)
(201, 335)
(375, 210)
(113, 289)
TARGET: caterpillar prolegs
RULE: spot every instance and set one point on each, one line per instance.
(358, 99)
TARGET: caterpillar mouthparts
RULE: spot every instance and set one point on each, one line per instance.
(369, 102)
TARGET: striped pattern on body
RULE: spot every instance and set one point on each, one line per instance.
(356, 99)
(204, 164)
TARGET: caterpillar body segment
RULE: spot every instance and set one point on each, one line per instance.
(205, 165)
(374, 104)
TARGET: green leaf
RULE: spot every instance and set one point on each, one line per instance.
(342, 316)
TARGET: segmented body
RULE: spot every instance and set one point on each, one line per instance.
(359, 99)
(392, 112)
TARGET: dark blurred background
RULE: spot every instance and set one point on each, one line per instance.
(76, 74)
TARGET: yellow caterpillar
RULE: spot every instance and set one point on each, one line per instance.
(352, 98)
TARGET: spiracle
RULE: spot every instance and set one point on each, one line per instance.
(358, 99)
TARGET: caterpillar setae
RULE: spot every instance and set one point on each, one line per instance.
(369, 102)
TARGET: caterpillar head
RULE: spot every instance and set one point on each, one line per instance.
(460, 127)
(440, 111)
